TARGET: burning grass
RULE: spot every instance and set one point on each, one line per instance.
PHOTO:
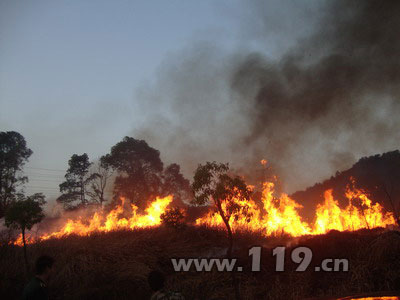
(114, 265)
(282, 214)
(108, 254)
(275, 215)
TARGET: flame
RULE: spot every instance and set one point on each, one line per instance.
(354, 216)
(112, 221)
(276, 217)
(374, 298)
(281, 215)
(273, 216)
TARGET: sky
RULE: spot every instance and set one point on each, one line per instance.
(69, 70)
(293, 82)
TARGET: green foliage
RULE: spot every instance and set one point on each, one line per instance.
(13, 155)
(25, 212)
(173, 217)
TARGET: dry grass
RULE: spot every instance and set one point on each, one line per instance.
(115, 265)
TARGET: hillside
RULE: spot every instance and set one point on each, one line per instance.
(379, 175)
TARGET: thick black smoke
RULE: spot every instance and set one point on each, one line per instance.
(330, 98)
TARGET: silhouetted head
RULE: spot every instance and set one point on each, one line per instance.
(43, 266)
(156, 280)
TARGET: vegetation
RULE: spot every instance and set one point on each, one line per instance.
(114, 265)
(213, 185)
(377, 174)
(86, 269)
(99, 184)
(173, 217)
(141, 174)
(13, 155)
(23, 214)
(77, 180)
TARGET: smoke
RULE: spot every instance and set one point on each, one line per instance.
(310, 106)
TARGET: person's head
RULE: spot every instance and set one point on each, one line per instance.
(43, 266)
(156, 280)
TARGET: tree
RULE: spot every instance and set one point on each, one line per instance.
(173, 217)
(74, 189)
(174, 183)
(141, 174)
(23, 214)
(139, 167)
(213, 185)
(13, 155)
(99, 183)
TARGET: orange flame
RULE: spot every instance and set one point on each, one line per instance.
(112, 221)
(281, 215)
(273, 216)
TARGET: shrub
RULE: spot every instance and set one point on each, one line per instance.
(173, 217)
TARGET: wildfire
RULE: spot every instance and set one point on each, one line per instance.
(273, 216)
(281, 215)
(111, 221)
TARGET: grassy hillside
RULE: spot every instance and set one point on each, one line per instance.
(115, 265)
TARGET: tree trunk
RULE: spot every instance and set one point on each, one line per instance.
(25, 256)
(101, 199)
(235, 282)
(82, 193)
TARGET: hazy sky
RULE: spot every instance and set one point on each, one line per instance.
(201, 80)
(69, 69)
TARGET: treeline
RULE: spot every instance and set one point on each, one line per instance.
(133, 170)
(20, 211)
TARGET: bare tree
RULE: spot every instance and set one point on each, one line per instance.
(100, 178)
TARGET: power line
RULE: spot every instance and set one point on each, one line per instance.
(45, 177)
(41, 173)
(44, 169)
(47, 180)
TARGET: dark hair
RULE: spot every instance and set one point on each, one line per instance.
(42, 263)
(156, 280)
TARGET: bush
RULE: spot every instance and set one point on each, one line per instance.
(173, 217)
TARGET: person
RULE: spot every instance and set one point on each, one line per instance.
(156, 281)
(36, 289)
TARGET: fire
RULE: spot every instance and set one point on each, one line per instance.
(374, 298)
(358, 214)
(273, 216)
(281, 215)
(277, 216)
(111, 221)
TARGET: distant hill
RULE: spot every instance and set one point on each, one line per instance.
(379, 175)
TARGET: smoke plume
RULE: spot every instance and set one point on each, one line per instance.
(310, 106)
